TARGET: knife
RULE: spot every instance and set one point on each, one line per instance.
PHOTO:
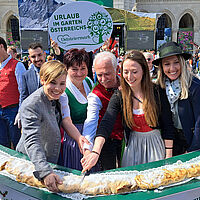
(83, 176)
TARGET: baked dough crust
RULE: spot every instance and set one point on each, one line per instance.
(23, 170)
(3, 160)
(98, 184)
(105, 184)
(193, 170)
(161, 177)
(70, 184)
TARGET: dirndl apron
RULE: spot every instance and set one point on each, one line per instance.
(72, 155)
(143, 147)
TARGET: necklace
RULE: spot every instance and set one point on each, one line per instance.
(137, 99)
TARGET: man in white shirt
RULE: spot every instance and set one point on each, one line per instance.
(105, 65)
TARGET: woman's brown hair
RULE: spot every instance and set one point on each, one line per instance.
(76, 56)
(150, 107)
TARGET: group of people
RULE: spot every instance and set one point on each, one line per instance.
(122, 120)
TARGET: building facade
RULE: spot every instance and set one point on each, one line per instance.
(124, 4)
(8, 15)
(182, 16)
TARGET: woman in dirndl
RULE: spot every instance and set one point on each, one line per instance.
(78, 86)
(147, 118)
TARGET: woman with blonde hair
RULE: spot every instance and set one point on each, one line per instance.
(183, 92)
(146, 115)
(41, 119)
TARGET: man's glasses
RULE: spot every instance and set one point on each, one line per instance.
(148, 59)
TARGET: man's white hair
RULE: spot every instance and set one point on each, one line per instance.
(106, 55)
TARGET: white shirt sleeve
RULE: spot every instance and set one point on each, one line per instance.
(65, 110)
(19, 70)
(91, 122)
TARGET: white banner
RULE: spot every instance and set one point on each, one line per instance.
(80, 25)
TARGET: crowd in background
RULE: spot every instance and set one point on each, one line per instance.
(110, 45)
(98, 110)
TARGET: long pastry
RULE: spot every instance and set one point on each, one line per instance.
(97, 184)
(70, 184)
(23, 170)
(105, 183)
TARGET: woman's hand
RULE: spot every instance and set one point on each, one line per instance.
(89, 161)
(81, 141)
(169, 153)
(86, 152)
(168, 148)
(51, 181)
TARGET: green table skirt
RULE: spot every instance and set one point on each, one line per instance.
(192, 187)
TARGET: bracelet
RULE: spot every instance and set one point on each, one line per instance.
(95, 152)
